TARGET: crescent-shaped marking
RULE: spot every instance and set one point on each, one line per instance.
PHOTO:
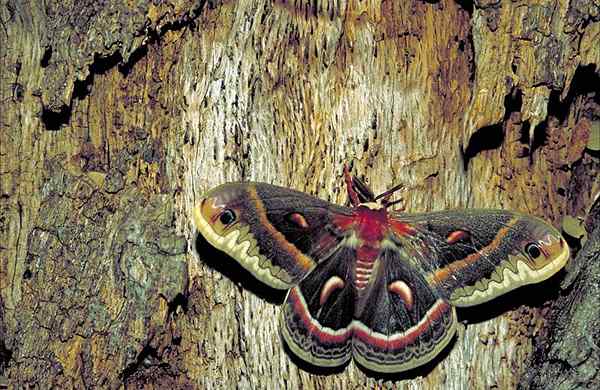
(334, 283)
(402, 289)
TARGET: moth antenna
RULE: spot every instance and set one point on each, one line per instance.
(350, 187)
(387, 194)
(387, 204)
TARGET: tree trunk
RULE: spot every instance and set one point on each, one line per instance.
(116, 118)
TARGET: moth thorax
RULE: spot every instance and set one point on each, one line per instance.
(372, 205)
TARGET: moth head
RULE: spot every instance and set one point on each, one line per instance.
(220, 209)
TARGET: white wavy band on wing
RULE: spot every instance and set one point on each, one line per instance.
(239, 251)
(511, 280)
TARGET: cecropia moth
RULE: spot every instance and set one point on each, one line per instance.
(369, 283)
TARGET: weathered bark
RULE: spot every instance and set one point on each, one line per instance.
(568, 356)
(115, 120)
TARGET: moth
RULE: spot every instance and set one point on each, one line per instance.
(369, 283)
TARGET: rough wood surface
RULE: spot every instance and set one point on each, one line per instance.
(568, 357)
(115, 118)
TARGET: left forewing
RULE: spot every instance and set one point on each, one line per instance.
(276, 233)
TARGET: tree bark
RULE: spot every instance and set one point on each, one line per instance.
(567, 357)
(115, 119)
